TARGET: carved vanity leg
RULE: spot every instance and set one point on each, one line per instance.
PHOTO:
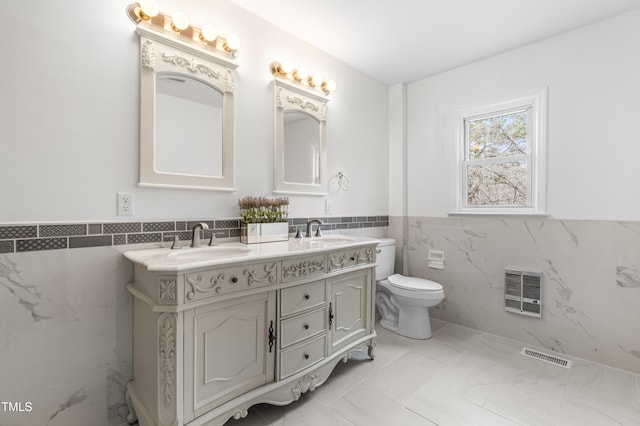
(372, 346)
(132, 417)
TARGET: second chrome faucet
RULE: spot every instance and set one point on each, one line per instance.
(318, 231)
(195, 235)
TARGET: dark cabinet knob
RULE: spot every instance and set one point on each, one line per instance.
(234, 280)
(353, 258)
(306, 356)
(306, 297)
(306, 326)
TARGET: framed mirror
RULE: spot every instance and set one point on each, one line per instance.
(299, 140)
(186, 115)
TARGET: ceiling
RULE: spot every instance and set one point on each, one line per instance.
(397, 41)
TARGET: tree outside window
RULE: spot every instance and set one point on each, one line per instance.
(501, 157)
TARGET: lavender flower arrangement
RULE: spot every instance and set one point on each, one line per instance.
(263, 210)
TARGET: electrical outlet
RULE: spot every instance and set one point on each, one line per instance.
(328, 207)
(125, 204)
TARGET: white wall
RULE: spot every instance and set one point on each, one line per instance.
(593, 109)
(70, 94)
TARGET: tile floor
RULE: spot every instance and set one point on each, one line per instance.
(459, 377)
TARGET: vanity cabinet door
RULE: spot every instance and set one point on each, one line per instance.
(349, 311)
(227, 351)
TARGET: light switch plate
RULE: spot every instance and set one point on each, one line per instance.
(328, 207)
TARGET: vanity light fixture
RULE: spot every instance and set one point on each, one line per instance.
(232, 43)
(179, 22)
(316, 80)
(283, 68)
(329, 86)
(208, 33)
(147, 14)
(148, 9)
(302, 76)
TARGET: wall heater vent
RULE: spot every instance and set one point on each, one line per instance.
(522, 292)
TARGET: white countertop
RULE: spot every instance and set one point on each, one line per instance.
(165, 259)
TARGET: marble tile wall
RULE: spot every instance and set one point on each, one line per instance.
(65, 337)
(590, 287)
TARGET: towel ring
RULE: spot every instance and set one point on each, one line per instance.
(343, 181)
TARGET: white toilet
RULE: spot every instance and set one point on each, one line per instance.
(403, 301)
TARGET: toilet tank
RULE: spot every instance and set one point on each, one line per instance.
(385, 258)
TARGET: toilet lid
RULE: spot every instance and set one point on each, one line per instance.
(412, 283)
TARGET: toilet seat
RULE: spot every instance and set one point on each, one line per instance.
(413, 283)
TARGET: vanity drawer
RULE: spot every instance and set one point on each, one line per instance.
(215, 282)
(300, 357)
(302, 297)
(301, 327)
(351, 257)
(303, 267)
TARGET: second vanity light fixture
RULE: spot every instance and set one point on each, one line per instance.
(302, 76)
(178, 24)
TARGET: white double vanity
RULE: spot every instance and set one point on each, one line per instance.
(219, 329)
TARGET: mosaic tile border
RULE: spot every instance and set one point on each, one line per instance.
(25, 238)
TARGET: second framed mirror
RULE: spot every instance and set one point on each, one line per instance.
(299, 140)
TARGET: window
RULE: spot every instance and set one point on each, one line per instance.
(500, 155)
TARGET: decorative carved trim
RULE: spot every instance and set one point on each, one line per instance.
(240, 414)
(167, 357)
(228, 82)
(191, 65)
(195, 285)
(302, 103)
(132, 417)
(372, 346)
(306, 267)
(167, 290)
(369, 256)
(337, 261)
(271, 275)
(279, 102)
(323, 112)
(307, 383)
(147, 57)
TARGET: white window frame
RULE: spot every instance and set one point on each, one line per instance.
(535, 102)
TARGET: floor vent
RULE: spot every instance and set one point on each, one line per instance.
(551, 359)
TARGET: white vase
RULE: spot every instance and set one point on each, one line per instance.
(251, 233)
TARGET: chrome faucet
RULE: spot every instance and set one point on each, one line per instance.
(195, 233)
(213, 241)
(318, 232)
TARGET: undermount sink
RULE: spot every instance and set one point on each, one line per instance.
(337, 238)
(205, 253)
(329, 240)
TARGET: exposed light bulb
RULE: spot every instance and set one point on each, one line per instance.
(286, 67)
(232, 43)
(316, 80)
(179, 21)
(329, 86)
(148, 9)
(208, 33)
(301, 74)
